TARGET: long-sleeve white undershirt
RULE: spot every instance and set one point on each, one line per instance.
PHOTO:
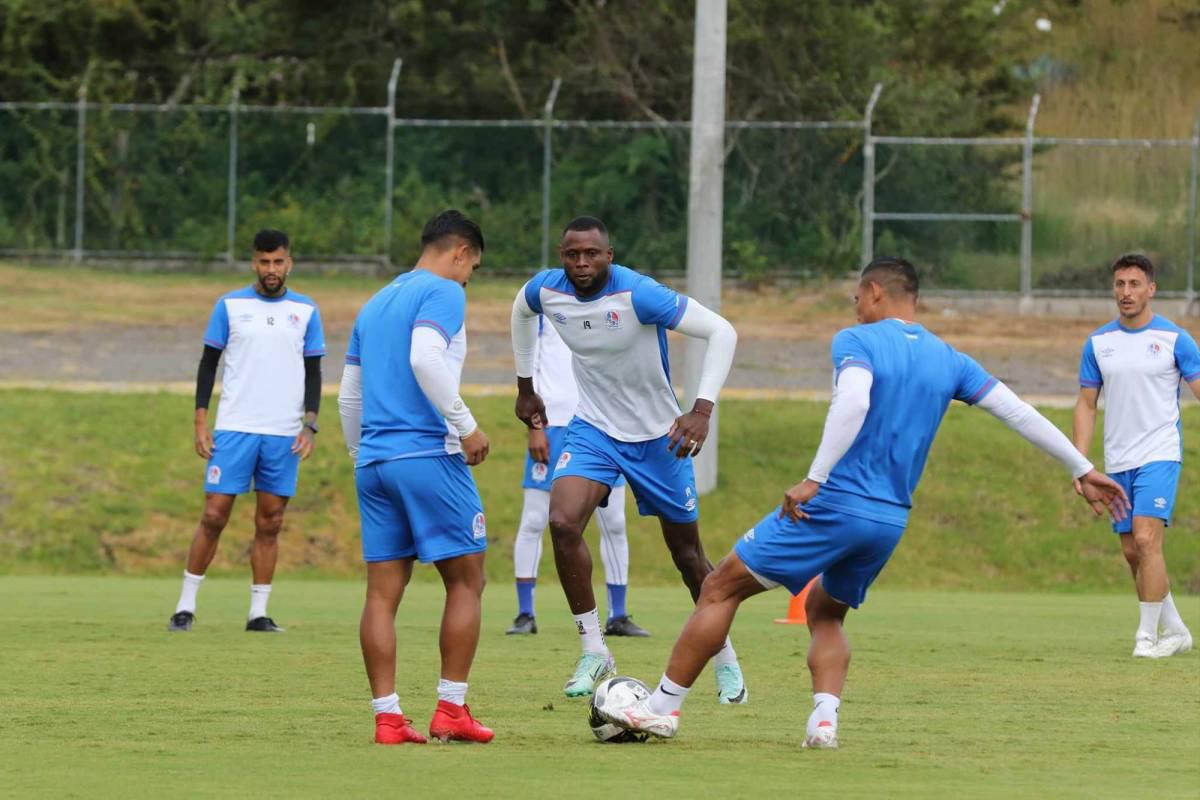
(702, 323)
(350, 407)
(1003, 404)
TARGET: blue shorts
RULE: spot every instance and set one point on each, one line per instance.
(663, 485)
(540, 476)
(237, 457)
(1151, 489)
(847, 552)
(423, 507)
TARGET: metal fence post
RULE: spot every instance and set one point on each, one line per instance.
(547, 127)
(390, 169)
(231, 199)
(868, 201)
(1192, 211)
(1026, 304)
(80, 166)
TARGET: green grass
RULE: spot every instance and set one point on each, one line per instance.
(950, 695)
(108, 483)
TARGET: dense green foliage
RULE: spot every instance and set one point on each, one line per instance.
(158, 182)
(950, 696)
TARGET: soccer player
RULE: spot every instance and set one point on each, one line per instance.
(413, 439)
(554, 381)
(893, 381)
(273, 343)
(1138, 359)
(615, 322)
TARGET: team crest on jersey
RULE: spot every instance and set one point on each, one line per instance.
(1154, 349)
(563, 460)
(613, 320)
(479, 526)
(538, 473)
(214, 474)
(294, 320)
(560, 317)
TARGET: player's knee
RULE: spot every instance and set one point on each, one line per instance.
(213, 521)
(268, 524)
(563, 528)
(1146, 541)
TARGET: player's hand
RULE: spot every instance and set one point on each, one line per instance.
(1102, 492)
(687, 435)
(539, 446)
(797, 496)
(531, 410)
(1078, 487)
(303, 445)
(475, 447)
(204, 442)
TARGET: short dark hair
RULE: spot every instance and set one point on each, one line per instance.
(451, 222)
(586, 223)
(1134, 260)
(894, 275)
(269, 239)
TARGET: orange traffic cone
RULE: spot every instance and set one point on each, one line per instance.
(795, 612)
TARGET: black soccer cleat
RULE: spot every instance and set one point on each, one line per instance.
(181, 621)
(263, 625)
(523, 625)
(624, 626)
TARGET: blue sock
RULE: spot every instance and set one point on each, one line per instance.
(525, 598)
(616, 599)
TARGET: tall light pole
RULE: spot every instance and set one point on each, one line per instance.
(706, 202)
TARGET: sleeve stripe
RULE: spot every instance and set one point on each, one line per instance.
(855, 363)
(320, 352)
(987, 387)
(1090, 384)
(214, 343)
(428, 323)
(352, 360)
(1192, 377)
(683, 302)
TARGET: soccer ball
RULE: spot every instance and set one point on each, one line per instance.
(609, 699)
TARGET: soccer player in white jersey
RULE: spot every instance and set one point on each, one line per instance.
(273, 343)
(1138, 359)
(628, 423)
(893, 381)
(554, 381)
(414, 441)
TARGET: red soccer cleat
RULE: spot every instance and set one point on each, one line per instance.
(454, 723)
(396, 729)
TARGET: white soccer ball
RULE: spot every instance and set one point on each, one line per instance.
(1044, 25)
(609, 700)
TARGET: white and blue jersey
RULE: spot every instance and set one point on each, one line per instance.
(1139, 371)
(265, 341)
(916, 375)
(857, 517)
(618, 341)
(398, 420)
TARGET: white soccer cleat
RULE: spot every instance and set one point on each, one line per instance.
(824, 738)
(1144, 648)
(1170, 644)
(639, 717)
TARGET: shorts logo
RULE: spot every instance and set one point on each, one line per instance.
(560, 317)
(214, 474)
(563, 460)
(538, 473)
(690, 505)
(613, 320)
(1160, 502)
(479, 526)
(1153, 349)
(748, 536)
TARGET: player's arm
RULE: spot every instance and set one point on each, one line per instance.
(847, 413)
(524, 324)
(427, 357)
(1083, 424)
(305, 440)
(206, 378)
(687, 435)
(1098, 489)
(350, 405)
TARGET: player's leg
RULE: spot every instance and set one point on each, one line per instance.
(828, 662)
(527, 555)
(1153, 496)
(614, 552)
(275, 476)
(1129, 550)
(389, 551)
(213, 520)
(464, 580)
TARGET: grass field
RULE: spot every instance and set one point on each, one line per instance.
(108, 483)
(950, 695)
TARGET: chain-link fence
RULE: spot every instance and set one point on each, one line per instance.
(1022, 214)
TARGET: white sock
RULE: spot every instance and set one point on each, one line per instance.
(260, 593)
(1148, 626)
(452, 691)
(1170, 619)
(187, 596)
(668, 697)
(825, 709)
(591, 637)
(387, 705)
(726, 655)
